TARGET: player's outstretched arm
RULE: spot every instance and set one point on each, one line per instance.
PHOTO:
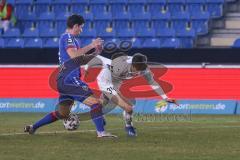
(157, 88)
(73, 52)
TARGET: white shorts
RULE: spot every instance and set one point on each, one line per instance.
(105, 83)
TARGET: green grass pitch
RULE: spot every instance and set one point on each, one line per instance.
(203, 138)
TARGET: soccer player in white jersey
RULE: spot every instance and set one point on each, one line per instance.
(119, 68)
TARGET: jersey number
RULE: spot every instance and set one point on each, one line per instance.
(110, 89)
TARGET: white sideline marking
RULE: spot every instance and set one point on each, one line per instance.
(54, 132)
(91, 130)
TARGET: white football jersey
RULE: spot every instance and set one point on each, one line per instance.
(115, 71)
(120, 69)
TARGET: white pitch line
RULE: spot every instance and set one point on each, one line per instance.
(90, 130)
(55, 132)
(191, 127)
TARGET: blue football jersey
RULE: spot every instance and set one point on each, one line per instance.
(68, 41)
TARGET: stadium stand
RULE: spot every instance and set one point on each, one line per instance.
(148, 23)
(236, 43)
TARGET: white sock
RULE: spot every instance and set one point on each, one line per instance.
(128, 119)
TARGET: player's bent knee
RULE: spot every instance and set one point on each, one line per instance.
(66, 103)
(63, 114)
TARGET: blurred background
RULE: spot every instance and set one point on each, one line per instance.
(197, 40)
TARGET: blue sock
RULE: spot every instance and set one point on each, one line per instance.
(49, 118)
(97, 117)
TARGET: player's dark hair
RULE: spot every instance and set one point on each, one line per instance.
(139, 61)
(75, 19)
(118, 54)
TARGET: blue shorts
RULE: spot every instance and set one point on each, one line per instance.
(73, 89)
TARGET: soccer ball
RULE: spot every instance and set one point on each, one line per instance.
(72, 122)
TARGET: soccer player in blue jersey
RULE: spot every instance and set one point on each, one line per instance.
(69, 84)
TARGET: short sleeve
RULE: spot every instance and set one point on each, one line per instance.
(68, 42)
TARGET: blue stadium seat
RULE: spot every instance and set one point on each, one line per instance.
(89, 32)
(98, 8)
(171, 43)
(119, 24)
(126, 32)
(156, 6)
(176, 5)
(42, 6)
(103, 16)
(27, 20)
(87, 15)
(236, 43)
(137, 2)
(43, 1)
(46, 20)
(169, 20)
(61, 27)
(181, 15)
(61, 2)
(48, 32)
(12, 2)
(136, 43)
(146, 32)
(160, 24)
(87, 25)
(23, 2)
(12, 32)
(186, 33)
(180, 20)
(166, 33)
(151, 43)
(136, 7)
(33, 43)
(22, 6)
(45, 24)
(2, 43)
(195, 6)
(117, 8)
(199, 21)
(51, 43)
(101, 24)
(28, 16)
(61, 6)
(14, 43)
(161, 15)
(118, 1)
(62, 16)
(109, 43)
(215, 8)
(138, 25)
(122, 15)
(157, 1)
(47, 16)
(107, 32)
(79, 6)
(141, 15)
(24, 24)
(86, 41)
(98, 1)
(80, 1)
(186, 37)
(31, 32)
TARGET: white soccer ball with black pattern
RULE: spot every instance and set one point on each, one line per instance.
(72, 122)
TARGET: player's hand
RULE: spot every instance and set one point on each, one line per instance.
(171, 100)
(97, 42)
(98, 45)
